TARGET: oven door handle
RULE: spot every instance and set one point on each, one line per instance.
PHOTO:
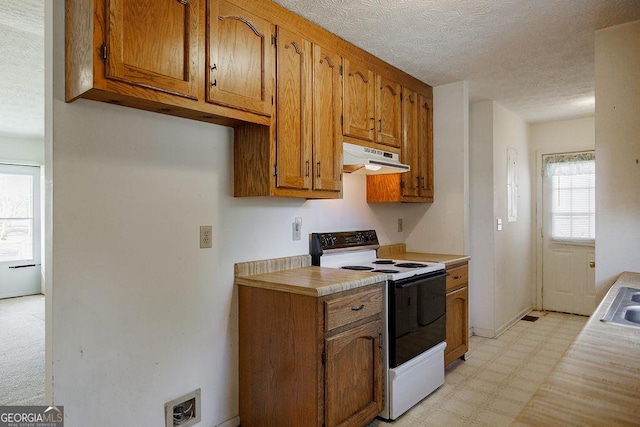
(407, 283)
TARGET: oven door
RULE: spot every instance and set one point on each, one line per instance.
(417, 316)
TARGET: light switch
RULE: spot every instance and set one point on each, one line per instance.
(499, 224)
(297, 228)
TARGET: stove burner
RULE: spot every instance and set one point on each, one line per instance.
(410, 265)
(382, 270)
(357, 267)
(383, 261)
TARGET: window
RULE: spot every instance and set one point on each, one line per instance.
(18, 207)
(572, 203)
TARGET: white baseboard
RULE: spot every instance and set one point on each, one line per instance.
(513, 321)
(233, 422)
(491, 333)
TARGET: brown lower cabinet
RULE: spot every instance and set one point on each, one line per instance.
(310, 361)
(457, 313)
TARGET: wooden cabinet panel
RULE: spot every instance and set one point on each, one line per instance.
(417, 151)
(294, 372)
(457, 325)
(351, 308)
(410, 154)
(388, 112)
(240, 58)
(327, 136)
(293, 106)
(425, 147)
(353, 383)
(154, 44)
(457, 278)
(358, 108)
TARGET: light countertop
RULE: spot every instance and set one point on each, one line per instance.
(313, 281)
(597, 381)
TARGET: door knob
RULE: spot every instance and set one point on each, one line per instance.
(592, 264)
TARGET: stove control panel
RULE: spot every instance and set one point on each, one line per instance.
(342, 240)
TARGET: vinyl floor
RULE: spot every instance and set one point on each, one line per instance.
(499, 376)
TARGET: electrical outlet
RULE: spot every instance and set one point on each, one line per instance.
(399, 225)
(183, 411)
(206, 237)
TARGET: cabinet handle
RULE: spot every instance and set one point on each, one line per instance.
(373, 123)
(214, 67)
(215, 82)
(457, 277)
(360, 307)
(423, 186)
(184, 2)
(418, 179)
(307, 163)
(380, 122)
(318, 170)
(381, 343)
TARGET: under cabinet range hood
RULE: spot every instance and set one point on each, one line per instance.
(370, 161)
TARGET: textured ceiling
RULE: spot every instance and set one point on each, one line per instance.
(22, 68)
(534, 57)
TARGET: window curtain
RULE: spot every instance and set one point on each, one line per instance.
(569, 164)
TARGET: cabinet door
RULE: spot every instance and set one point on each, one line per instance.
(388, 112)
(425, 144)
(410, 181)
(157, 50)
(358, 109)
(293, 104)
(327, 139)
(457, 325)
(240, 58)
(354, 385)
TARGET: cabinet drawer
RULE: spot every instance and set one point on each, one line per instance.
(351, 308)
(457, 277)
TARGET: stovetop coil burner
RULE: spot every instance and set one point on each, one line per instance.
(411, 265)
(357, 267)
(384, 261)
(386, 271)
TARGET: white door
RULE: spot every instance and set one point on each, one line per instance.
(568, 233)
(19, 230)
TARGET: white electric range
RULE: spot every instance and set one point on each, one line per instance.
(414, 314)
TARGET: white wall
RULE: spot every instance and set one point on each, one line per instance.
(513, 244)
(482, 274)
(21, 150)
(617, 129)
(139, 314)
(441, 227)
(562, 136)
(500, 274)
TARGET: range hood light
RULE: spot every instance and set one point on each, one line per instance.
(370, 161)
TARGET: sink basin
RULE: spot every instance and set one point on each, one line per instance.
(632, 314)
(625, 308)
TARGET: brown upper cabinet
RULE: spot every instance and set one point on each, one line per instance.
(372, 108)
(417, 151)
(293, 97)
(149, 54)
(307, 140)
(417, 146)
(239, 58)
(157, 50)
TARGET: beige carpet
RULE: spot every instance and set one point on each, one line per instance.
(22, 351)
